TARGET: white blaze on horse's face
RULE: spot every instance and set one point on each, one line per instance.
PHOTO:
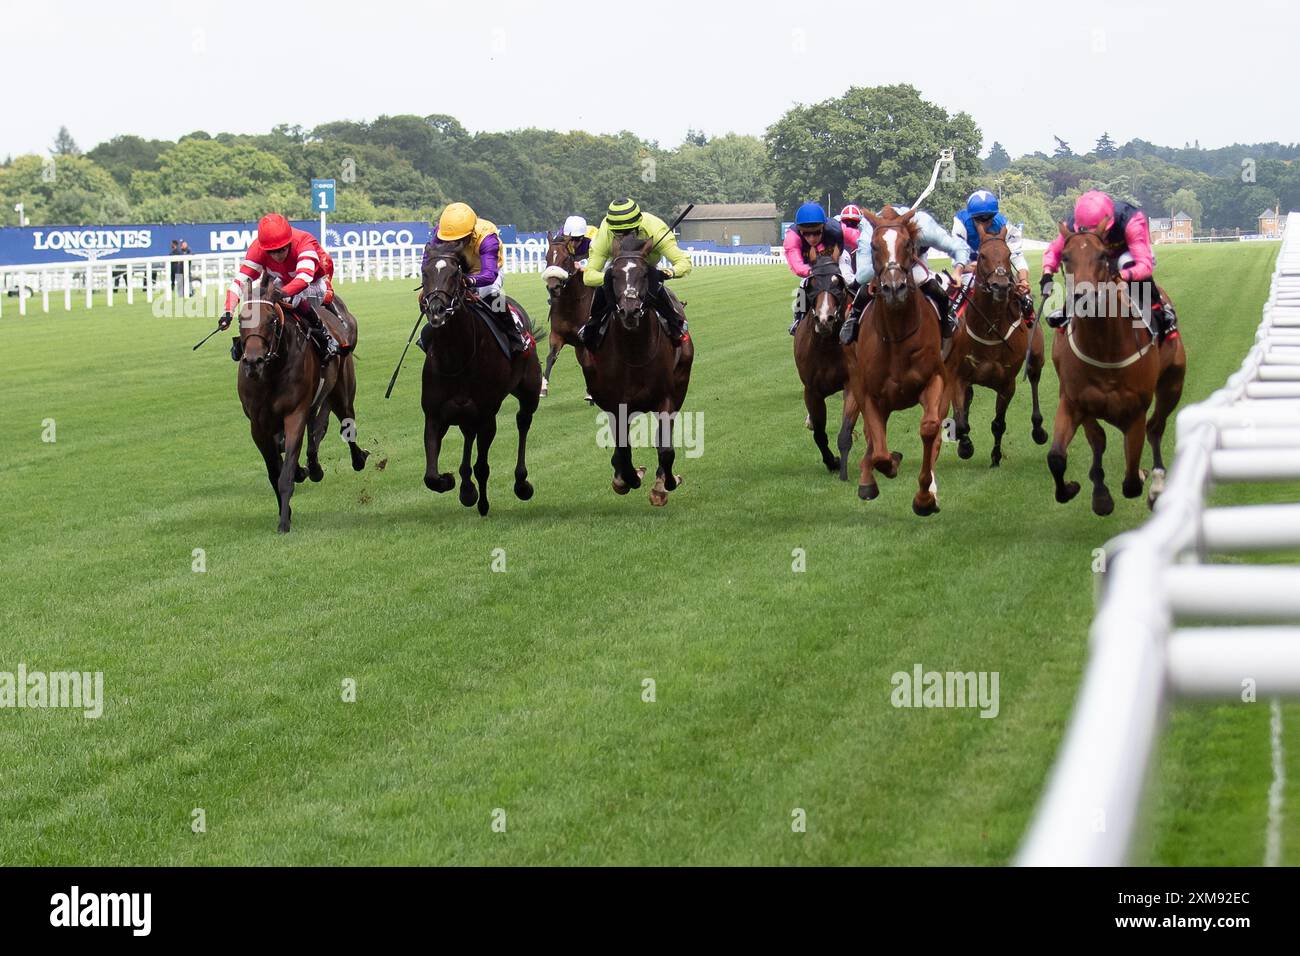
(440, 264)
(890, 239)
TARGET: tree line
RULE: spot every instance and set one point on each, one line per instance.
(873, 145)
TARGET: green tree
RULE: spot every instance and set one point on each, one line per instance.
(64, 144)
(1105, 148)
(872, 145)
(1062, 150)
(123, 155)
(998, 158)
(1184, 200)
(62, 190)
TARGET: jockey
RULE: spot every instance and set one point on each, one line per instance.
(1122, 226)
(813, 235)
(577, 237)
(982, 210)
(478, 243)
(304, 270)
(932, 284)
(625, 219)
(850, 218)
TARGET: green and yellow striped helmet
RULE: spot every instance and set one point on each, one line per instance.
(624, 214)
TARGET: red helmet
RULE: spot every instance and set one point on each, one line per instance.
(274, 231)
(851, 212)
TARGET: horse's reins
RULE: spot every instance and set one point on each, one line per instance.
(654, 314)
(983, 279)
(893, 264)
(1098, 363)
(454, 302)
(273, 344)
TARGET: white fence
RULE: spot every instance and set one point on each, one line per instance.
(1156, 577)
(121, 280)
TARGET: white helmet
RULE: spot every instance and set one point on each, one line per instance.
(575, 227)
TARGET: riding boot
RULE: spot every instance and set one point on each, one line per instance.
(799, 301)
(849, 330)
(675, 320)
(236, 349)
(592, 331)
(426, 338)
(320, 337)
(947, 321)
(505, 320)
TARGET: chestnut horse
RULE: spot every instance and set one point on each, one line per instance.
(896, 362)
(637, 370)
(991, 344)
(1110, 368)
(818, 355)
(283, 387)
(466, 378)
(569, 299)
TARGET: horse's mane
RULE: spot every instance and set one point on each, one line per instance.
(889, 216)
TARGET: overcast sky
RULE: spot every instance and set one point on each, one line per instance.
(1168, 72)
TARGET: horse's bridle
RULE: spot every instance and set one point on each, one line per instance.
(273, 343)
(909, 281)
(568, 273)
(829, 272)
(1113, 276)
(446, 304)
(641, 303)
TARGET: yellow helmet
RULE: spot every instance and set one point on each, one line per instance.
(457, 222)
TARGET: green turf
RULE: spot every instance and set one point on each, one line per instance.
(523, 690)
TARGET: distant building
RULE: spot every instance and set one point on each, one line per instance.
(1178, 228)
(756, 223)
(1271, 223)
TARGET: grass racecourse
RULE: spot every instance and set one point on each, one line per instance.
(500, 717)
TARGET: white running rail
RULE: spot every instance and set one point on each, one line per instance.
(119, 280)
(1156, 577)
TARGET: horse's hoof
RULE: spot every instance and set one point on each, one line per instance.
(868, 492)
(995, 461)
(468, 494)
(483, 507)
(1067, 492)
(1132, 487)
(283, 528)
(523, 490)
(620, 487)
(1103, 504)
(965, 448)
(1039, 436)
(925, 509)
(807, 422)
(1157, 486)
(315, 472)
(546, 387)
(588, 399)
(832, 464)
(440, 483)
(300, 475)
(658, 494)
(359, 457)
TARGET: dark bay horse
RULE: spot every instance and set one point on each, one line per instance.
(818, 355)
(1110, 369)
(896, 361)
(282, 389)
(569, 300)
(637, 370)
(991, 344)
(466, 378)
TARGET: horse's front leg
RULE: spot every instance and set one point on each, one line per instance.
(845, 439)
(557, 343)
(926, 501)
(665, 480)
(524, 421)
(1102, 503)
(815, 402)
(1134, 437)
(487, 430)
(999, 426)
(268, 444)
(434, 430)
(315, 434)
(1067, 424)
(295, 424)
(1034, 372)
(468, 494)
(875, 455)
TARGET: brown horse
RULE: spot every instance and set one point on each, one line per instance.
(897, 361)
(1110, 368)
(637, 369)
(818, 355)
(991, 345)
(466, 378)
(282, 388)
(569, 300)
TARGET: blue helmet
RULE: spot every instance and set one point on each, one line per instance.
(810, 214)
(982, 203)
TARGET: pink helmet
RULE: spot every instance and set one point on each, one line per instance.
(851, 212)
(1093, 210)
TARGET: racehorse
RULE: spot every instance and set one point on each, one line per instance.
(818, 355)
(991, 344)
(637, 369)
(569, 300)
(896, 362)
(283, 387)
(1110, 368)
(466, 378)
